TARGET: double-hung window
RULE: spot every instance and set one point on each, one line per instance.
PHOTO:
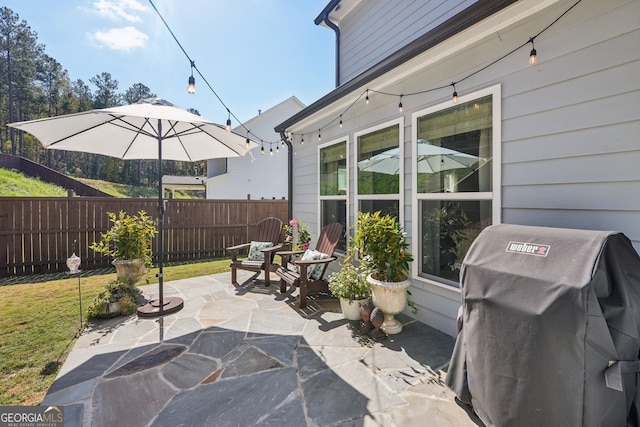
(333, 186)
(379, 160)
(456, 159)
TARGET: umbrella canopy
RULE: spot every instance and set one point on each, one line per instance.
(149, 129)
(431, 159)
(133, 131)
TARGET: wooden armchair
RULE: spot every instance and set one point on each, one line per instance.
(267, 230)
(327, 241)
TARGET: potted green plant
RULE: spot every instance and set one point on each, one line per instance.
(116, 298)
(350, 285)
(382, 247)
(128, 241)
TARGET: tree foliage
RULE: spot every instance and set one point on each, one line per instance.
(35, 85)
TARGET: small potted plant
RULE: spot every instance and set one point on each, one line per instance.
(128, 241)
(350, 285)
(382, 247)
(116, 298)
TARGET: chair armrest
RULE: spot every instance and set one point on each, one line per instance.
(289, 253)
(233, 250)
(238, 247)
(286, 256)
(271, 249)
(314, 261)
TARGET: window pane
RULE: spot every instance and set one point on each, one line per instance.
(333, 170)
(379, 162)
(336, 211)
(448, 228)
(455, 149)
(391, 207)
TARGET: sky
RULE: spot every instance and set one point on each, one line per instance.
(253, 53)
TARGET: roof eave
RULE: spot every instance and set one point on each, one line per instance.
(456, 24)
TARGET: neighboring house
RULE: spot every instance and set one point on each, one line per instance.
(556, 143)
(254, 175)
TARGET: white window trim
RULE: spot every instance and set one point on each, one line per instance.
(494, 195)
(400, 196)
(346, 197)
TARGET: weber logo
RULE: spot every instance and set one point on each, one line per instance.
(528, 248)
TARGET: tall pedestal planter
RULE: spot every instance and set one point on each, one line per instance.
(391, 298)
(130, 271)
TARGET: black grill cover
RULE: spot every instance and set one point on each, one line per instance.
(551, 328)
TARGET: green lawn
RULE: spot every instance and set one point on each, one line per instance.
(40, 321)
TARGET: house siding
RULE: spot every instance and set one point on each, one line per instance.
(569, 126)
(374, 30)
(255, 176)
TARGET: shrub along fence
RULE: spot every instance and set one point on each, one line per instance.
(37, 234)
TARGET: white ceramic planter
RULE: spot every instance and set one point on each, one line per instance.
(391, 298)
(351, 309)
(130, 271)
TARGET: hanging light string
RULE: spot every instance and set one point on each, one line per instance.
(365, 93)
(194, 67)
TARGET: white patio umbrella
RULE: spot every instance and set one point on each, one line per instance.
(431, 159)
(149, 129)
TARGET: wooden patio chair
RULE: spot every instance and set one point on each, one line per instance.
(306, 278)
(265, 242)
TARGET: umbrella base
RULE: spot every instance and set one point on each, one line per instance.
(152, 308)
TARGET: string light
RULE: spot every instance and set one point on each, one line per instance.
(270, 150)
(191, 87)
(277, 149)
(533, 56)
(191, 82)
(262, 149)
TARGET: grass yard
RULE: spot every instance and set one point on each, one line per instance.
(39, 323)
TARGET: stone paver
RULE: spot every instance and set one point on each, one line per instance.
(248, 356)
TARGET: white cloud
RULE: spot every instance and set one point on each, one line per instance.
(120, 9)
(127, 38)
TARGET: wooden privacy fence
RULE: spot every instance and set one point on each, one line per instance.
(37, 234)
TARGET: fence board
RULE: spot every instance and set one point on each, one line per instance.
(37, 235)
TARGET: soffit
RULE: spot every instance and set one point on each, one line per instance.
(418, 55)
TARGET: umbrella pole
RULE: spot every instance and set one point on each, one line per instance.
(160, 220)
(172, 304)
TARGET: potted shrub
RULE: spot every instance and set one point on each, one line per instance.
(351, 287)
(128, 241)
(382, 247)
(116, 298)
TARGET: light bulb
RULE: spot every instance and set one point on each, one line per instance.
(533, 57)
(248, 143)
(191, 88)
